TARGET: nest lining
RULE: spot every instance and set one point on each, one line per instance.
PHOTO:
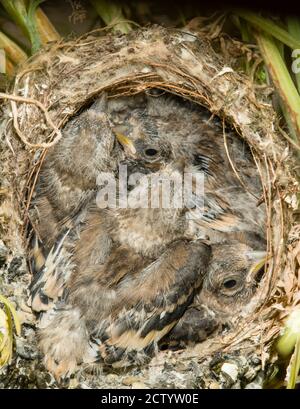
(62, 79)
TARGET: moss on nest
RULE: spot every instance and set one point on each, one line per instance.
(62, 79)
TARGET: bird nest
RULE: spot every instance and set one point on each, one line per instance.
(65, 77)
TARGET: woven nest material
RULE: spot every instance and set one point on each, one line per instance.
(63, 78)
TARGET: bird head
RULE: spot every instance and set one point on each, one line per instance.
(234, 274)
(152, 152)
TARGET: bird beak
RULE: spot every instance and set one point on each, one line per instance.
(259, 259)
(125, 142)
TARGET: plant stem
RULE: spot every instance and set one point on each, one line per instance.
(2, 61)
(24, 17)
(6, 66)
(45, 28)
(111, 13)
(295, 366)
(269, 27)
(12, 50)
(281, 78)
(9, 67)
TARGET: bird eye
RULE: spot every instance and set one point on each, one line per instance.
(151, 152)
(230, 284)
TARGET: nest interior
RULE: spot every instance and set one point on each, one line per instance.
(60, 81)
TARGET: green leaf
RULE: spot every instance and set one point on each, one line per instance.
(111, 13)
(13, 312)
(289, 342)
(12, 50)
(294, 366)
(269, 27)
(24, 17)
(8, 319)
(5, 338)
(281, 78)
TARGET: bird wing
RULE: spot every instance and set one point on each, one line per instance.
(149, 304)
(51, 272)
(82, 242)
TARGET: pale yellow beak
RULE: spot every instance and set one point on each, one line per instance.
(257, 266)
(260, 258)
(125, 142)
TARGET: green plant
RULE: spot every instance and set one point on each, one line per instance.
(8, 321)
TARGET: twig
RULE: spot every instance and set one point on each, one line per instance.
(14, 99)
(232, 165)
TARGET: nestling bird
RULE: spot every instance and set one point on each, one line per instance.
(233, 276)
(165, 132)
(66, 186)
(115, 313)
(67, 180)
(112, 282)
(155, 140)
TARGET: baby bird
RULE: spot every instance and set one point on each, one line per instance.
(165, 132)
(111, 282)
(68, 177)
(232, 277)
(116, 312)
(66, 186)
(154, 140)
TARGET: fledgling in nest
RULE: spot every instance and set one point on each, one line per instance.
(231, 280)
(111, 283)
